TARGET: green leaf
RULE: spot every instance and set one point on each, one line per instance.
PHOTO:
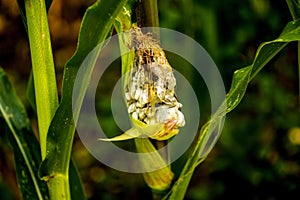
(76, 189)
(122, 25)
(96, 25)
(238, 87)
(77, 192)
(210, 132)
(21, 5)
(44, 77)
(140, 129)
(294, 7)
(24, 143)
(31, 93)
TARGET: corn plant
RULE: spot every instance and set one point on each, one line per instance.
(43, 166)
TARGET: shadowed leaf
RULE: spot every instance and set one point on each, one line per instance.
(209, 132)
(23, 141)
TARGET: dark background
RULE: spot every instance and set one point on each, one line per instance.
(258, 154)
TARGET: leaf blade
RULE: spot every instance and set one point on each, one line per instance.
(46, 94)
(96, 25)
(241, 79)
(24, 143)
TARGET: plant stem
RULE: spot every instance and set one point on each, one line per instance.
(42, 67)
(151, 13)
(59, 188)
(147, 15)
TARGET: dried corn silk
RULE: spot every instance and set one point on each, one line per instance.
(150, 87)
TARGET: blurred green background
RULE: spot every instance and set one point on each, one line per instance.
(258, 154)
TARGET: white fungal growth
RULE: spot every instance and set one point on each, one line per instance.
(150, 87)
